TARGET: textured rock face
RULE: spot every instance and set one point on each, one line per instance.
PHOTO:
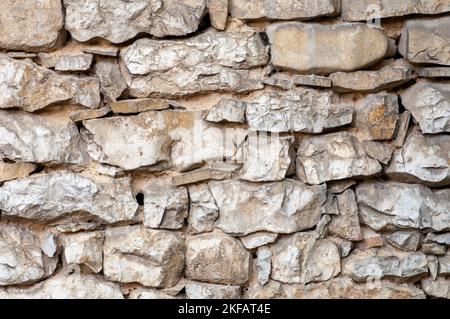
(30, 25)
(119, 21)
(403, 205)
(333, 157)
(217, 258)
(282, 9)
(39, 138)
(387, 77)
(381, 263)
(429, 103)
(208, 62)
(422, 159)
(280, 207)
(227, 110)
(300, 258)
(22, 256)
(300, 110)
(203, 211)
(85, 249)
(153, 258)
(369, 9)
(64, 286)
(51, 197)
(425, 41)
(346, 223)
(10, 171)
(266, 158)
(26, 85)
(304, 47)
(200, 290)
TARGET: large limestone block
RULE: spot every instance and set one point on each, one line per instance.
(51, 197)
(153, 258)
(23, 258)
(40, 138)
(283, 9)
(439, 288)
(398, 205)
(266, 158)
(299, 110)
(369, 9)
(301, 258)
(426, 40)
(373, 264)
(179, 139)
(422, 159)
(217, 258)
(322, 49)
(30, 25)
(429, 103)
(211, 61)
(119, 21)
(67, 286)
(280, 207)
(28, 86)
(333, 156)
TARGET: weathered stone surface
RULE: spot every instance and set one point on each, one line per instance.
(217, 258)
(423, 159)
(191, 177)
(436, 72)
(434, 249)
(112, 83)
(180, 139)
(200, 290)
(438, 238)
(79, 63)
(218, 13)
(429, 103)
(53, 196)
(305, 48)
(300, 110)
(26, 85)
(283, 9)
(362, 265)
(22, 256)
(382, 152)
(211, 61)
(39, 138)
(388, 77)
(83, 115)
(85, 249)
(165, 206)
(227, 110)
(203, 211)
(67, 286)
(10, 171)
(444, 265)
(279, 207)
(405, 240)
(153, 258)
(370, 9)
(300, 258)
(439, 288)
(338, 187)
(263, 264)
(346, 224)
(401, 205)
(289, 81)
(139, 105)
(426, 40)
(30, 25)
(402, 130)
(258, 239)
(266, 158)
(119, 21)
(332, 157)
(376, 116)
(149, 293)
(345, 288)
(371, 239)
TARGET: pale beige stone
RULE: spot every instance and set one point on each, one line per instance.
(10, 171)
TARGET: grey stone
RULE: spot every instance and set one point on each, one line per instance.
(203, 211)
(227, 110)
(405, 240)
(79, 63)
(84, 249)
(200, 290)
(346, 224)
(258, 239)
(263, 264)
(112, 83)
(439, 288)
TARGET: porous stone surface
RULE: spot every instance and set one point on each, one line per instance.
(224, 149)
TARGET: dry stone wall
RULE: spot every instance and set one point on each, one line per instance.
(224, 149)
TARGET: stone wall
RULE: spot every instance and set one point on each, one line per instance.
(224, 149)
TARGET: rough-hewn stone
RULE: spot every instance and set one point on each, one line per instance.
(84, 249)
(203, 211)
(305, 48)
(200, 290)
(346, 224)
(10, 171)
(279, 207)
(153, 258)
